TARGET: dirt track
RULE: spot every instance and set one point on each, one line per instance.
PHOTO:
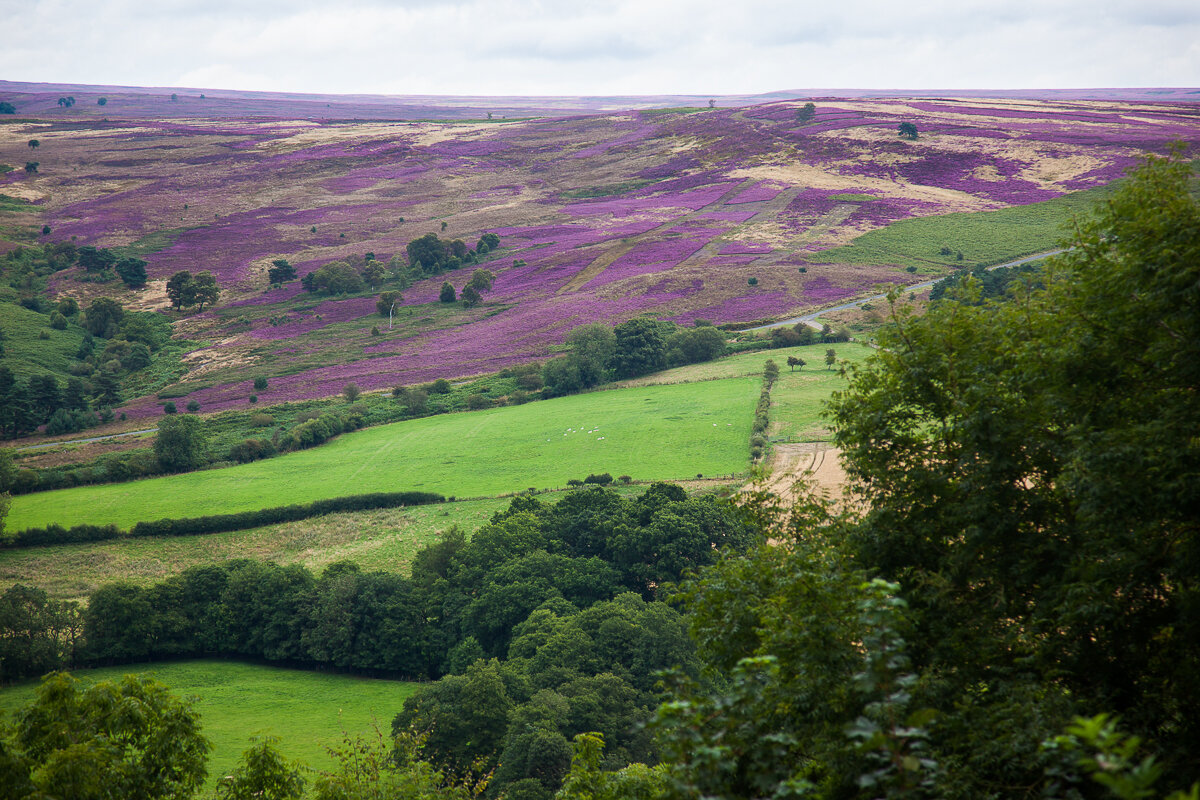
(818, 462)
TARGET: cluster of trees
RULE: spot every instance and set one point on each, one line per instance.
(99, 264)
(472, 292)
(801, 334)
(42, 400)
(988, 284)
(7, 107)
(66, 102)
(636, 347)
(806, 113)
(432, 254)
(185, 289)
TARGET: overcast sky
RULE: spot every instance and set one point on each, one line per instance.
(597, 47)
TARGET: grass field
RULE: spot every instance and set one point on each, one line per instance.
(649, 432)
(984, 238)
(308, 711)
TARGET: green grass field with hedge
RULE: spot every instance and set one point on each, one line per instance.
(308, 711)
(649, 432)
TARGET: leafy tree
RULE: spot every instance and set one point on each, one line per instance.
(204, 289)
(907, 130)
(7, 107)
(470, 296)
(694, 345)
(592, 347)
(795, 361)
(337, 277)
(103, 317)
(179, 445)
(132, 271)
(33, 144)
(806, 112)
(32, 166)
(127, 739)
(830, 358)
(447, 295)
(351, 392)
(641, 347)
(263, 774)
(280, 272)
(181, 289)
(374, 274)
(101, 101)
(96, 259)
(260, 382)
(481, 280)
(387, 303)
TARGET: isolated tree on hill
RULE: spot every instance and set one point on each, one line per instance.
(447, 294)
(32, 166)
(280, 272)
(179, 445)
(102, 101)
(907, 130)
(806, 112)
(830, 358)
(204, 289)
(132, 272)
(181, 289)
(481, 280)
(33, 144)
(7, 108)
(470, 296)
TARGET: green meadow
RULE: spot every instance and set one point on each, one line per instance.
(659, 432)
(307, 711)
(984, 238)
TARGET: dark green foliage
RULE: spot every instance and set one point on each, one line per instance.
(263, 774)
(447, 295)
(280, 272)
(7, 107)
(101, 101)
(992, 283)
(103, 316)
(179, 444)
(907, 130)
(470, 296)
(694, 345)
(132, 271)
(127, 739)
(387, 303)
(806, 113)
(260, 382)
(337, 277)
(181, 289)
(641, 347)
(96, 259)
(37, 634)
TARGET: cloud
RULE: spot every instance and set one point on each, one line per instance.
(604, 47)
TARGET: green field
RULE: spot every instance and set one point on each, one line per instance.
(308, 711)
(649, 432)
(984, 238)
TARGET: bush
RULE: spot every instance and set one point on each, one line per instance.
(752, 281)
(625, 479)
(574, 482)
(603, 479)
(253, 398)
(193, 406)
(251, 450)
(440, 386)
(260, 382)
(476, 402)
(261, 420)
(169, 408)
(351, 392)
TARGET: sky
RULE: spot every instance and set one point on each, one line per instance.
(600, 47)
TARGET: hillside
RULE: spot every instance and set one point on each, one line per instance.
(724, 214)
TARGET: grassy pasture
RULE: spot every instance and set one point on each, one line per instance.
(308, 711)
(26, 354)
(649, 432)
(984, 238)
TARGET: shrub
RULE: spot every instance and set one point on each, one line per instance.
(752, 281)
(574, 482)
(625, 479)
(602, 479)
(251, 450)
(253, 399)
(440, 386)
(193, 406)
(169, 408)
(478, 401)
(260, 382)
(261, 420)
(351, 392)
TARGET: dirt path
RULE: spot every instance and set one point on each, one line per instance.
(817, 462)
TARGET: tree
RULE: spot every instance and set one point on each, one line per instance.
(806, 112)
(447, 295)
(907, 130)
(204, 289)
(481, 280)
(374, 274)
(179, 445)
(7, 107)
(103, 317)
(337, 277)
(263, 774)
(694, 345)
(181, 289)
(33, 144)
(101, 101)
(795, 361)
(351, 392)
(95, 259)
(132, 271)
(470, 296)
(641, 347)
(387, 302)
(32, 166)
(592, 347)
(830, 358)
(107, 740)
(280, 272)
